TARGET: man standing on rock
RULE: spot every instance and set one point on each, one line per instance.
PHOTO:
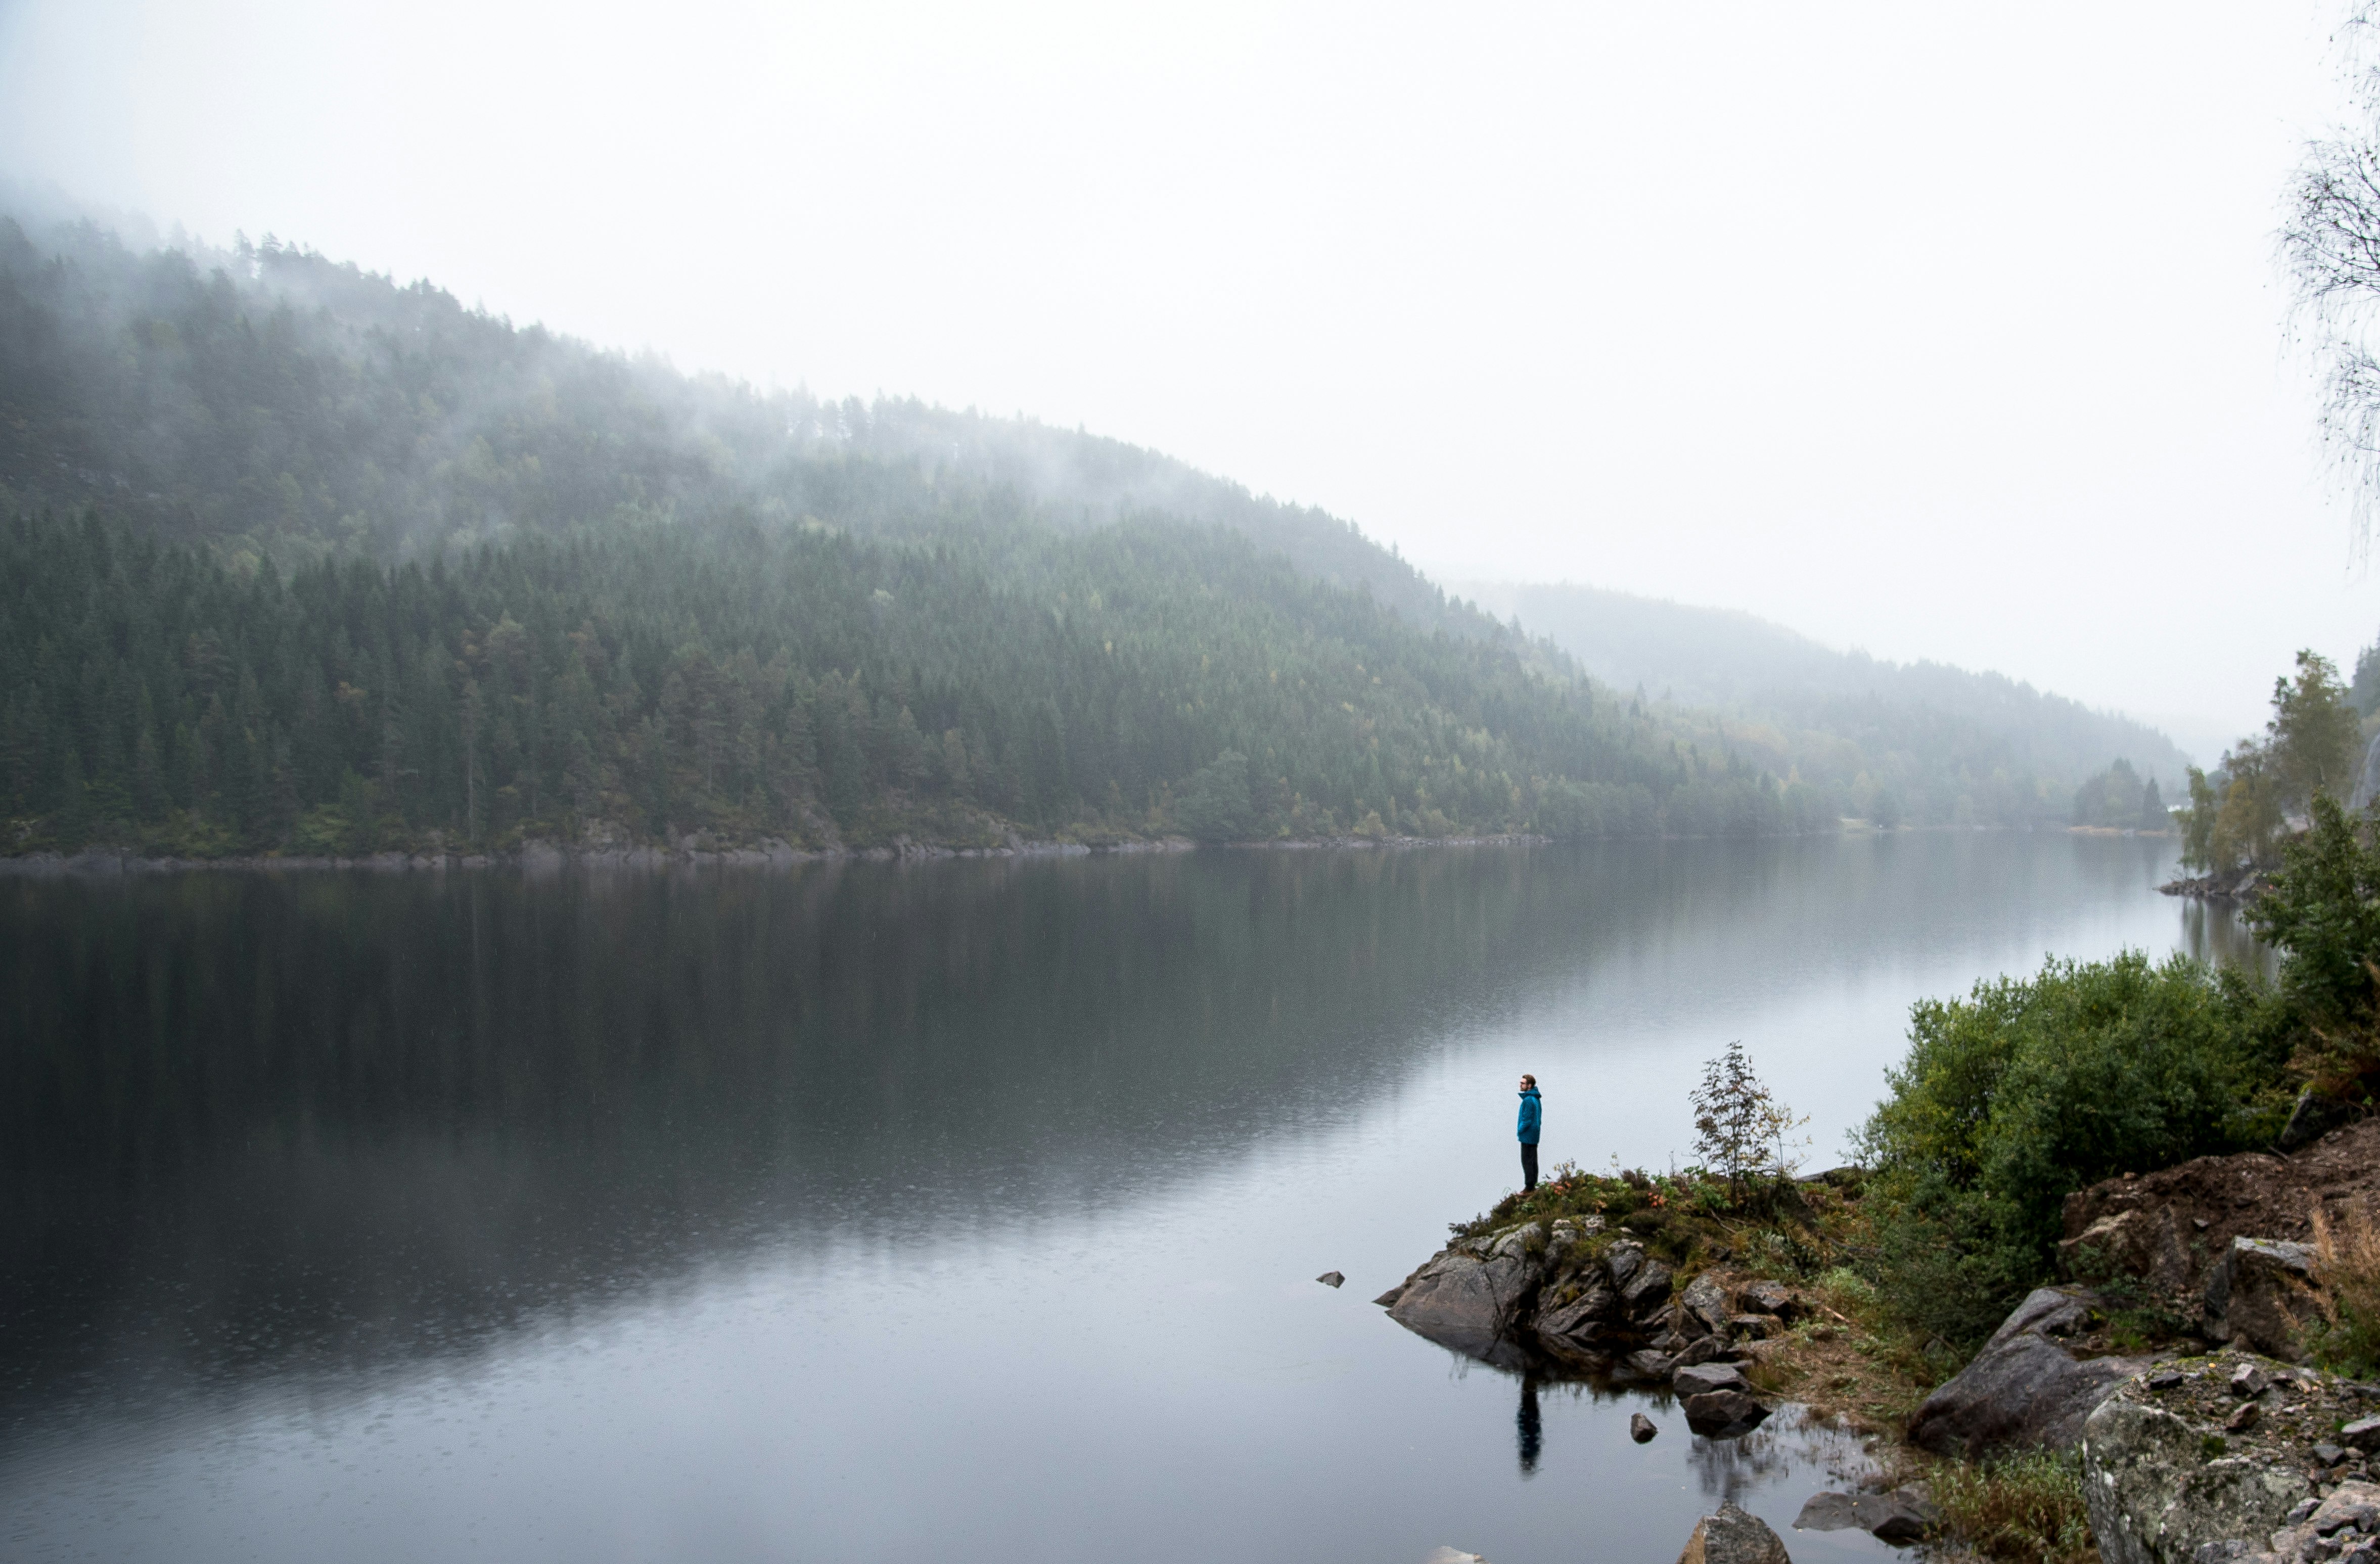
(1532, 1111)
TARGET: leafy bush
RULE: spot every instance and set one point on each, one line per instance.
(2323, 910)
(2029, 1089)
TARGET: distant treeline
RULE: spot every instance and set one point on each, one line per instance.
(1920, 743)
(2118, 800)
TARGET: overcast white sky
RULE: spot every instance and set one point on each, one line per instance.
(1947, 330)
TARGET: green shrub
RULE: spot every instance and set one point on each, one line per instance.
(2029, 1089)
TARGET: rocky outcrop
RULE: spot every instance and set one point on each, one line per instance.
(2170, 1228)
(1734, 1537)
(2226, 885)
(2024, 1388)
(1469, 1296)
(1570, 1294)
(2231, 1457)
(2262, 1295)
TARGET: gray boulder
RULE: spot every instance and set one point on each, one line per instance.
(2023, 1389)
(1646, 1290)
(1704, 1303)
(1770, 1297)
(1694, 1379)
(1828, 1512)
(1581, 1318)
(2260, 1296)
(1734, 1537)
(1463, 1302)
(1641, 1428)
(1905, 1515)
(1649, 1366)
(2157, 1497)
(1703, 1349)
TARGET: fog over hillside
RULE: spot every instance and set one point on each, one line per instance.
(1735, 662)
(835, 621)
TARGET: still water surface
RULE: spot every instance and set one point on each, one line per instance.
(963, 1209)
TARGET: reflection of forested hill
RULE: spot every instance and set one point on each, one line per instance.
(259, 1121)
(1933, 735)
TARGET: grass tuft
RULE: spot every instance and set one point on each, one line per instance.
(2027, 1507)
(2347, 1261)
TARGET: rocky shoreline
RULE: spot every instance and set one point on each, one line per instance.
(545, 857)
(2172, 1371)
(1573, 1293)
(2231, 885)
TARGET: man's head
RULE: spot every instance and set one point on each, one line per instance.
(1528, 1083)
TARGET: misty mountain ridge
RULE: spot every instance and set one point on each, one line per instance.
(1023, 628)
(1736, 664)
(393, 419)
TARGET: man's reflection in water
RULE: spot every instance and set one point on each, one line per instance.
(1532, 1431)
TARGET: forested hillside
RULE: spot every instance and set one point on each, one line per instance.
(652, 682)
(1917, 742)
(304, 560)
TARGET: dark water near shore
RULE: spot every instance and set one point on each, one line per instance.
(903, 1212)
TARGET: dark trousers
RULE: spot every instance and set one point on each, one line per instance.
(1528, 1164)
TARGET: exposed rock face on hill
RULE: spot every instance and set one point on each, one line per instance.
(2233, 1457)
(2221, 1241)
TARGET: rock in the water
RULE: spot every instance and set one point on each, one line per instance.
(1387, 1299)
(1641, 1428)
(1723, 1415)
(1695, 1379)
(2023, 1389)
(1734, 1537)
(2158, 1495)
(1463, 1302)
(1330, 1279)
(1828, 1512)
(2260, 1296)
(1905, 1515)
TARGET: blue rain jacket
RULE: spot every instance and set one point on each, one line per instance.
(1531, 1109)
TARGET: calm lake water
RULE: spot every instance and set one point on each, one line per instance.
(954, 1210)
